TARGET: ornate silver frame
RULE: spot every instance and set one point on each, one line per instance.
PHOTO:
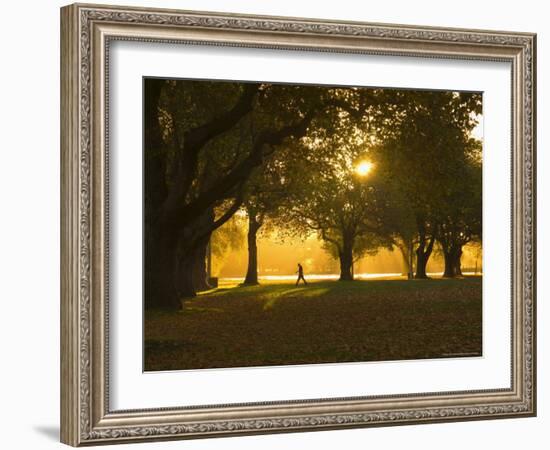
(86, 31)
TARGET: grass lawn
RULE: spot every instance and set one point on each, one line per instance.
(330, 321)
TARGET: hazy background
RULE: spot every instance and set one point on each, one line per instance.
(279, 257)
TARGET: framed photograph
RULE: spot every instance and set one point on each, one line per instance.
(276, 225)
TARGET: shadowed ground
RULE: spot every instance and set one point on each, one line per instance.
(330, 321)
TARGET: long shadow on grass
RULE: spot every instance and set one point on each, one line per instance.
(271, 294)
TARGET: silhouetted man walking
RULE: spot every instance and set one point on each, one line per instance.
(300, 273)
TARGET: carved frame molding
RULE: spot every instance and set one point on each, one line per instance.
(86, 31)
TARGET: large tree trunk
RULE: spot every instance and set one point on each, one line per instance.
(252, 271)
(155, 150)
(159, 242)
(170, 261)
(160, 263)
(346, 261)
(423, 253)
(421, 263)
(188, 268)
(457, 265)
(189, 249)
(200, 274)
(452, 262)
(191, 270)
(449, 269)
(186, 282)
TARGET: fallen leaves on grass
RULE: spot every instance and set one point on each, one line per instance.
(323, 322)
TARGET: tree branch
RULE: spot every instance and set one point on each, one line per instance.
(195, 139)
(242, 171)
(332, 241)
(237, 203)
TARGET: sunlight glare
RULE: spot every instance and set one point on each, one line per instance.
(363, 168)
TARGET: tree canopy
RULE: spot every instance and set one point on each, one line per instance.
(362, 168)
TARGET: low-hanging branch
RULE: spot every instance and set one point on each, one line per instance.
(205, 232)
(185, 212)
(194, 140)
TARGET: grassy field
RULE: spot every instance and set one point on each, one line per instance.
(276, 324)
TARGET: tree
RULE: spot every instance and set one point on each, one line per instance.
(344, 207)
(461, 218)
(347, 214)
(266, 197)
(230, 237)
(173, 181)
(199, 155)
(212, 147)
(332, 191)
(264, 194)
(400, 226)
(418, 146)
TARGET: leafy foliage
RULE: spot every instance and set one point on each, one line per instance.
(288, 155)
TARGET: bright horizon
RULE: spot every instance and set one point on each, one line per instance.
(278, 258)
